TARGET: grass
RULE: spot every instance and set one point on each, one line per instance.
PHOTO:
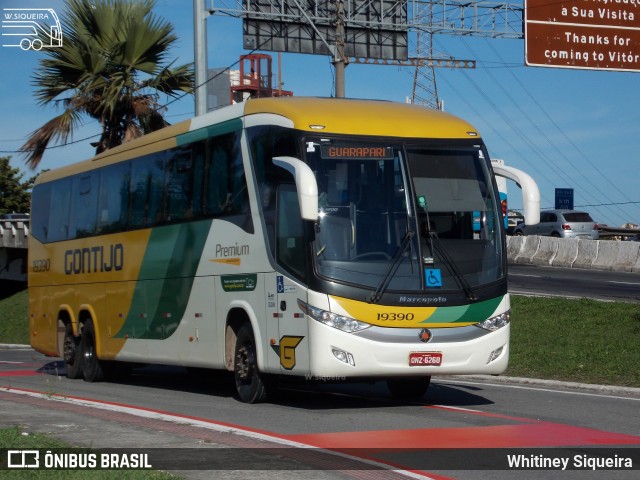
(582, 341)
(16, 439)
(14, 318)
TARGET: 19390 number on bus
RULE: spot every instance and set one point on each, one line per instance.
(395, 316)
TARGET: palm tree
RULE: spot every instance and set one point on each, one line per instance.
(112, 67)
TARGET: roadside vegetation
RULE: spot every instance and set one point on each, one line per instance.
(14, 318)
(584, 341)
(18, 439)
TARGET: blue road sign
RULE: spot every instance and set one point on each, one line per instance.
(564, 198)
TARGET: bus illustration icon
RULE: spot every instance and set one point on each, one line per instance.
(31, 28)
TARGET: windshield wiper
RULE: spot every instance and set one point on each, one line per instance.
(451, 264)
(392, 267)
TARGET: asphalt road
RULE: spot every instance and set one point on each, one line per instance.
(167, 407)
(573, 282)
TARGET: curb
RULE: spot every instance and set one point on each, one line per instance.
(587, 387)
(14, 346)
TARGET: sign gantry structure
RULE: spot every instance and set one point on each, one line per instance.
(367, 31)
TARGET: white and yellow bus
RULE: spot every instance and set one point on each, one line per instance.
(289, 237)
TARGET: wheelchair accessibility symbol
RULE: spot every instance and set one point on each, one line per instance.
(433, 277)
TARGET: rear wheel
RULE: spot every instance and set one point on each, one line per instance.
(91, 366)
(518, 233)
(71, 353)
(408, 388)
(251, 384)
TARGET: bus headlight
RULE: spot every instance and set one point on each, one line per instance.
(346, 324)
(494, 323)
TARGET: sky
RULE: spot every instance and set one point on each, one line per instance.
(567, 128)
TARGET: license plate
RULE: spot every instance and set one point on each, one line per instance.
(425, 359)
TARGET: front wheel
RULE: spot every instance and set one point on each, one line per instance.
(251, 384)
(408, 388)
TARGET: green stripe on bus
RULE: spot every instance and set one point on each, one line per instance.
(166, 276)
(210, 131)
(473, 313)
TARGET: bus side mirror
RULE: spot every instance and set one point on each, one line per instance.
(306, 185)
(530, 191)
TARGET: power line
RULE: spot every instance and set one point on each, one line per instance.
(534, 146)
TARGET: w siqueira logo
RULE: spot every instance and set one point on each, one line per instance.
(31, 28)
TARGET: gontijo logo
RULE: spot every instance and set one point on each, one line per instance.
(31, 28)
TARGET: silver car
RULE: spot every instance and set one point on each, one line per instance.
(563, 224)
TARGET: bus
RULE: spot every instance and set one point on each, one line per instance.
(281, 239)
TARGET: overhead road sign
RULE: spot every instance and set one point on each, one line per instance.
(595, 35)
(373, 29)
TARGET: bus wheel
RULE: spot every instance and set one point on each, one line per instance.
(71, 353)
(250, 383)
(91, 366)
(408, 388)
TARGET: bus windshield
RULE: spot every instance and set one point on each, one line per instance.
(415, 216)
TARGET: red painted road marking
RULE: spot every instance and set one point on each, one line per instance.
(543, 434)
(19, 373)
(482, 414)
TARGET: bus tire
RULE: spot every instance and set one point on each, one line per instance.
(71, 353)
(91, 366)
(251, 385)
(408, 388)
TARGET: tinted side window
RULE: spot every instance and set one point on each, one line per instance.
(147, 191)
(40, 201)
(290, 232)
(225, 187)
(179, 186)
(58, 228)
(113, 198)
(84, 202)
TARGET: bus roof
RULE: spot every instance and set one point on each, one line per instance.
(364, 117)
(319, 115)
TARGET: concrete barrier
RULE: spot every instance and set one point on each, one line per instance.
(547, 250)
(528, 250)
(514, 245)
(621, 257)
(567, 253)
(574, 253)
(606, 257)
(587, 253)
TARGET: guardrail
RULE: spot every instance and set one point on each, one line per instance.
(606, 231)
(574, 253)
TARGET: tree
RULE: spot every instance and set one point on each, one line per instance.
(15, 195)
(111, 67)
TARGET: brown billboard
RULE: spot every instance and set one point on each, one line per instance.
(589, 34)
